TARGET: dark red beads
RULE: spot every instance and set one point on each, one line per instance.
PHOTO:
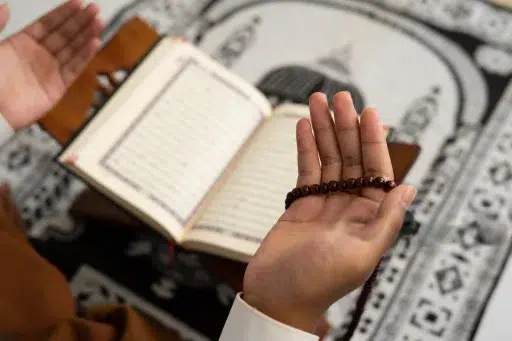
(348, 185)
(324, 188)
(315, 189)
(389, 185)
(342, 185)
(368, 181)
(305, 191)
(379, 182)
(333, 186)
(296, 193)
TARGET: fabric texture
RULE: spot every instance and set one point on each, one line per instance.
(247, 324)
(36, 302)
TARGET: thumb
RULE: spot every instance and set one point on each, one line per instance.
(390, 215)
(4, 16)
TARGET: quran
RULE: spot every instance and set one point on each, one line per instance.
(192, 150)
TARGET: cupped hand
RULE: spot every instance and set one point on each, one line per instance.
(324, 247)
(40, 62)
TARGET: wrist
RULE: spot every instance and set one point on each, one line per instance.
(292, 316)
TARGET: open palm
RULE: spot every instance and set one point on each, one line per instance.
(40, 62)
(323, 247)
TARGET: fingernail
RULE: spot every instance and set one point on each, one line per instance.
(347, 95)
(316, 94)
(408, 196)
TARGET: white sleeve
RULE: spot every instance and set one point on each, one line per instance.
(245, 323)
(6, 131)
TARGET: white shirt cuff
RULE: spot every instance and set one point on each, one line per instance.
(245, 323)
(6, 131)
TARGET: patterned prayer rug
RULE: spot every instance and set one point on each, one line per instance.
(438, 70)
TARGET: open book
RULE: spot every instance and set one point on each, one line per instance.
(192, 150)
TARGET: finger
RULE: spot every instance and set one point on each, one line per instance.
(374, 148)
(307, 155)
(347, 132)
(65, 34)
(390, 216)
(75, 65)
(89, 33)
(4, 16)
(325, 137)
(45, 25)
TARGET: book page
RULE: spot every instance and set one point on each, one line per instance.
(167, 143)
(252, 199)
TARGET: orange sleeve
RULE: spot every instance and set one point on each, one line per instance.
(36, 301)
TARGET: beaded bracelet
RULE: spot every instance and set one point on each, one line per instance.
(348, 186)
